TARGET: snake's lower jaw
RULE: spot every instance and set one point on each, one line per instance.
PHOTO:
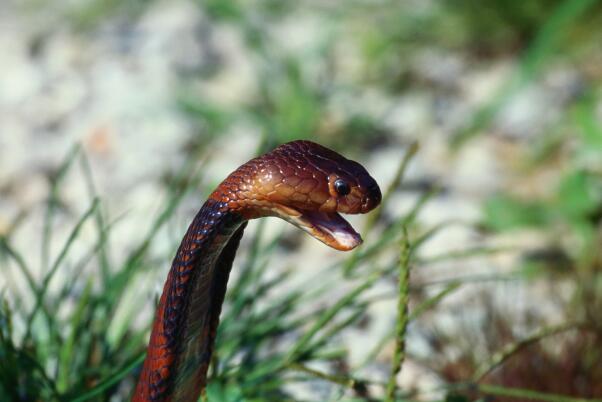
(328, 227)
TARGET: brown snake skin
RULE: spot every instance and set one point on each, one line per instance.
(301, 182)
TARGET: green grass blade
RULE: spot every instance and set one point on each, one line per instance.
(68, 348)
(417, 312)
(402, 316)
(41, 292)
(52, 203)
(300, 346)
(527, 394)
(110, 381)
(510, 350)
(102, 252)
(7, 249)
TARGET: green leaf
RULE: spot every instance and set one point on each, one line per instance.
(503, 212)
(577, 195)
(217, 392)
(590, 127)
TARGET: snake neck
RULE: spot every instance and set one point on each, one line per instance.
(184, 329)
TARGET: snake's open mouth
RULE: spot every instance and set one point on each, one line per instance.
(328, 227)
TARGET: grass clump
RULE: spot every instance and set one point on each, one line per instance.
(80, 355)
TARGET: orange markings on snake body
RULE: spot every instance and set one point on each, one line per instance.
(295, 182)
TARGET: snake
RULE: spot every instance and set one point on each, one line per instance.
(301, 182)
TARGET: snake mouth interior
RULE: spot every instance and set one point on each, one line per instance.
(328, 227)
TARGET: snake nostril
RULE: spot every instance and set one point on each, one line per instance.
(372, 199)
(366, 203)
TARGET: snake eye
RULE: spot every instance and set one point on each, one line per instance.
(341, 187)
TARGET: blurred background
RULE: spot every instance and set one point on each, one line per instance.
(480, 120)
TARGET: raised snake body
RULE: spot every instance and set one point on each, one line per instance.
(301, 182)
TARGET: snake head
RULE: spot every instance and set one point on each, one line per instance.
(307, 185)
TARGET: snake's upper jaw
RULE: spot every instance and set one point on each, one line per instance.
(328, 227)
